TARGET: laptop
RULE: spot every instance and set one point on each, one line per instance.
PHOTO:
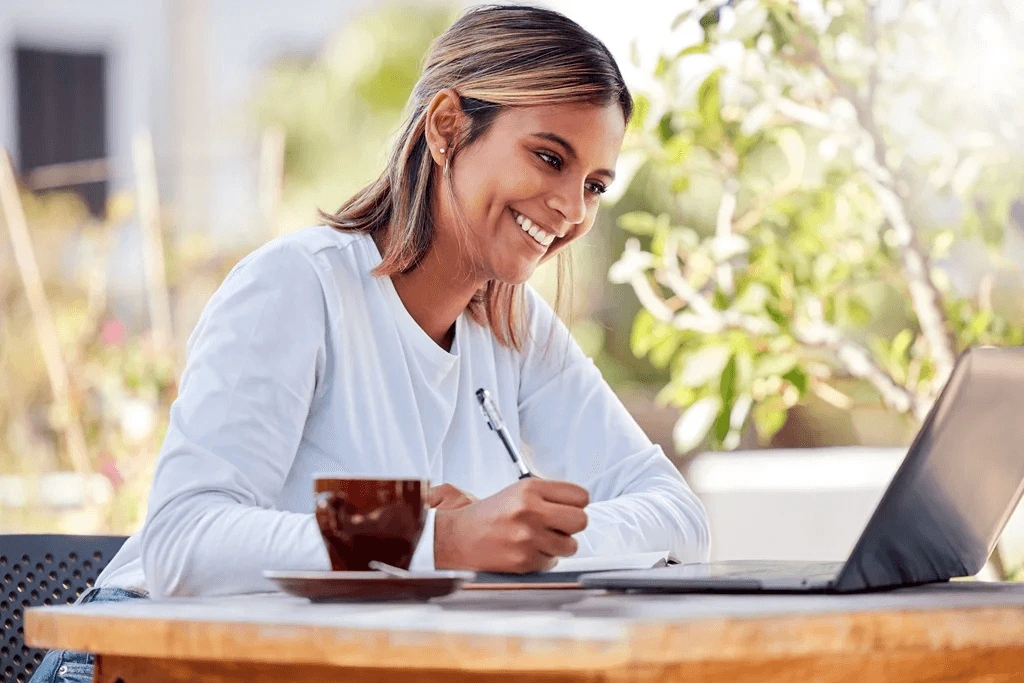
(939, 518)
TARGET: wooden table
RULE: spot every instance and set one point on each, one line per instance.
(951, 632)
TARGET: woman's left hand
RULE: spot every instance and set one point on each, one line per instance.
(448, 497)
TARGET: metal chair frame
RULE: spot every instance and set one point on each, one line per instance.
(40, 570)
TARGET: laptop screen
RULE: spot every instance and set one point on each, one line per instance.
(962, 478)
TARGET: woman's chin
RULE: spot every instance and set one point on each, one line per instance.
(516, 275)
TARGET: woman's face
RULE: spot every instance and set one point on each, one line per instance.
(532, 183)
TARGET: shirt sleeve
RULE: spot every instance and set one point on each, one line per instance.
(254, 360)
(579, 431)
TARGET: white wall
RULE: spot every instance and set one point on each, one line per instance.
(235, 41)
(130, 32)
(246, 37)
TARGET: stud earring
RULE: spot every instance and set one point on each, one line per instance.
(441, 150)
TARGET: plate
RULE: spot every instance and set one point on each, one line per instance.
(329, 586)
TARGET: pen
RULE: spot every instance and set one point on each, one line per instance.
(494, 421)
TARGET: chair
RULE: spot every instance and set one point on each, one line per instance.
(42, 570)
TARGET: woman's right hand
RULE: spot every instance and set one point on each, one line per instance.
(523, 528)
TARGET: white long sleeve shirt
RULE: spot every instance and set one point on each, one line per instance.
(303, 364)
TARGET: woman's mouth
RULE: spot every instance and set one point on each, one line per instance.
(539, 235)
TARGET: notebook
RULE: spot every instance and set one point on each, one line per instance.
(567, 572)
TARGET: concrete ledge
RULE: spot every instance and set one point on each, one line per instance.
(55, 490)
(802, 504)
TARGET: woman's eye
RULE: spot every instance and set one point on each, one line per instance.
(555, 162)
(550, 159)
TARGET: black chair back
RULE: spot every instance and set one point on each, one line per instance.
(40, 570)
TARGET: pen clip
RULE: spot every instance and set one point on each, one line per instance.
(489, 410)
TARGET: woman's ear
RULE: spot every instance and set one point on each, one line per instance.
(444, 120)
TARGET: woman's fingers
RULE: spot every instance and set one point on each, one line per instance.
(522, 528)
(562, 492)
(564, 519)
(555, 543)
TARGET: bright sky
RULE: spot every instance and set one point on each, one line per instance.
(648, 21)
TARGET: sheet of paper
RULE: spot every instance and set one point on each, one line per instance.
(598, 563)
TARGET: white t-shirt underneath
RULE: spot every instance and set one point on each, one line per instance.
(303, 363)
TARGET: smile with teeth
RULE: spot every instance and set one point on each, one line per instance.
(540, 236)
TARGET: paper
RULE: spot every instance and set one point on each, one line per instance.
(567, 572)
(597, 563)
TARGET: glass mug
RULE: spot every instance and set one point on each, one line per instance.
(362, 520)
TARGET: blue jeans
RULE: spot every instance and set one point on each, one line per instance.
(65, 666)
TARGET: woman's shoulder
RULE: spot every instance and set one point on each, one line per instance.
(304, 253)
(307, 242)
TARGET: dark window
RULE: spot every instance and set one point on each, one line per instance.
(62, 114)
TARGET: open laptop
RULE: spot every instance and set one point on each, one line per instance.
(940, 517)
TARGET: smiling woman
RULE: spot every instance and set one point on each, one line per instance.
(356, 348)
(518, 112)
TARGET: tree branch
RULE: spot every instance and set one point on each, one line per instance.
(42, 315)
(924, 295)
(723, 230)
(152, 237)
(859, 363)
(704, 317)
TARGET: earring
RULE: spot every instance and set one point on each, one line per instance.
(441, 150)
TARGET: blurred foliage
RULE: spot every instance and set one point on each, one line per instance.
(121, 386)
(788, 151)
(339, 110)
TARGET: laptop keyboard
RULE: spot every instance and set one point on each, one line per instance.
(755, 569)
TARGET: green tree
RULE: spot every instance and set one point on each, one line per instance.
(339, 110)
(822, 161)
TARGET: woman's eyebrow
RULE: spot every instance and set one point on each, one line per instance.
(570, 150)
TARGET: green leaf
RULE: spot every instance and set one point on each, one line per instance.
(641, 106)
(662, 228)
(721, 426)
(677, 394)
(637, 222)
(776, 314)
(980, 323)
(798, 378)
(665, 129)
(678, 148)
(642, 333)
(771, 364)
(857, 312)
(727, 384)
(709, 106)
(900, 344)
(769, 417)
(942, 243)
(705, 365)
(662, 353)
(693, 425)
(700, 48)
(744, 370)
(795, 151)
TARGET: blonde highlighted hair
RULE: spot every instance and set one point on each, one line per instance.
(494, 57)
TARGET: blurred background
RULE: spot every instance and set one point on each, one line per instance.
(819, 205)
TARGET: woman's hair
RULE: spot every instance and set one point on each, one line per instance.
(494, 57)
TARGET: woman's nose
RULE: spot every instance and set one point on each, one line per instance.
(569, 201)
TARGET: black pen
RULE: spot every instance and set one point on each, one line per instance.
(495, 422)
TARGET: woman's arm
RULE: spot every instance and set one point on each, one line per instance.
(580, 432)
(254, 361)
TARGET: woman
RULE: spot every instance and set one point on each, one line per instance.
(357, 346)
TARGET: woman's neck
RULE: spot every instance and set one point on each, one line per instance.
(436, 291)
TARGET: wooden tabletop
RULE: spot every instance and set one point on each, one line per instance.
(555, 631)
